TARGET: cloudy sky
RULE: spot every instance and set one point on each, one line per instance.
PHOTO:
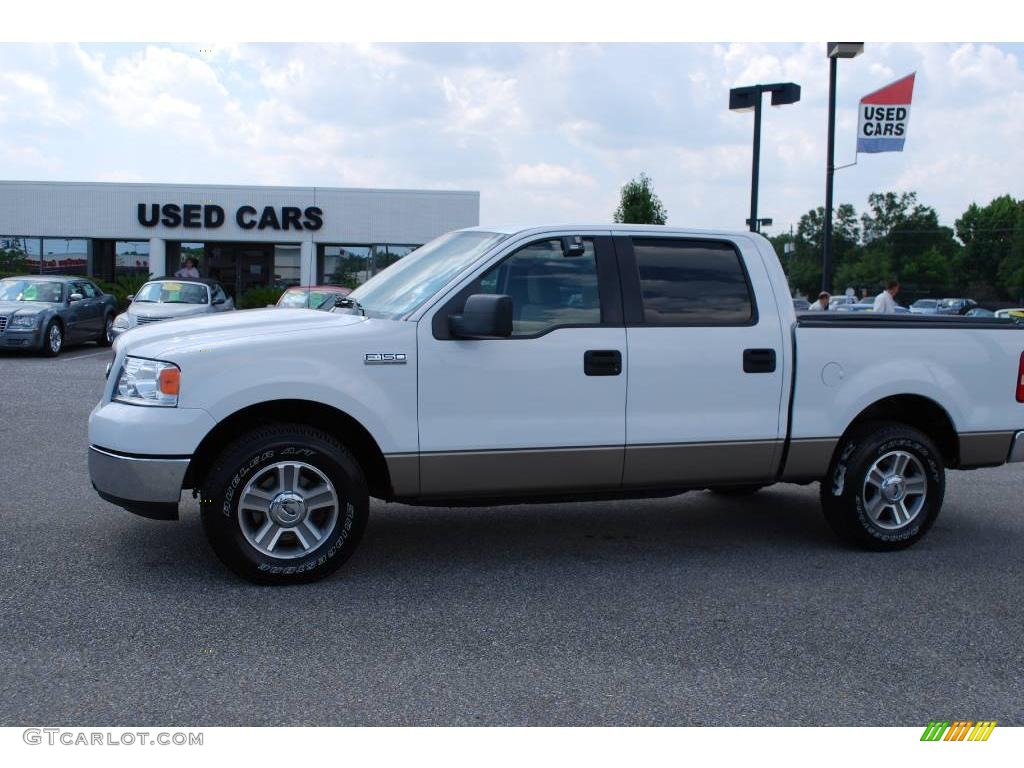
(545, 132)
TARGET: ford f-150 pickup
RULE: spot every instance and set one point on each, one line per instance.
(569, 362)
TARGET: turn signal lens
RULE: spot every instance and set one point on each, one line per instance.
(170, 380)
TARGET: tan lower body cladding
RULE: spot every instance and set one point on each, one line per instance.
(600, 468)
(610, 468)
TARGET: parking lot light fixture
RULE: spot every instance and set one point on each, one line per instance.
(746, 98)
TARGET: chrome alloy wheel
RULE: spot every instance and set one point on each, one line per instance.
(894, 490)
(55, 338)
(288, 509)
(108, 330)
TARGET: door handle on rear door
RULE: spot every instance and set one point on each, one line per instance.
(602, 362)
(758, 360)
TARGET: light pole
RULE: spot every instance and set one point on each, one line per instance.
(748, 98)
(834, 52)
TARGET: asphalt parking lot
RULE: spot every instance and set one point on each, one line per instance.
(693, 610)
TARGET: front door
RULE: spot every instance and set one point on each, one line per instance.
(240, 266)
(89, 311)
(544, 410)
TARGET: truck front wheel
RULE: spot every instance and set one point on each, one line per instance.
(885, 486)
(284, 504)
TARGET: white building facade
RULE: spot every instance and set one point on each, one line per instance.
(243, 236)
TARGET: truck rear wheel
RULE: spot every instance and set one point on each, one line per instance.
(284, 504)
(885, 486)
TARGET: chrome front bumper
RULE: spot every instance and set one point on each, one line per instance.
(1017, 447)
(149, 486)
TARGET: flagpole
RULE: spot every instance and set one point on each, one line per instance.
(834, 52)
(826, 262)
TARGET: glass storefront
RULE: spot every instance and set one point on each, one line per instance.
(131, 258)
(65, 256)
(353, 265)
(55, 256)
(17, 254)
(286, 266)
(238, 265)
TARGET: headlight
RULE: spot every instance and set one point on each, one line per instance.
(148, 382)
(122, 321)
(24, 321)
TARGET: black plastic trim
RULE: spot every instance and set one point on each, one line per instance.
(153, 510)
(834, 319)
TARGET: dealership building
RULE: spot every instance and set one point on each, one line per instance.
(243, 236)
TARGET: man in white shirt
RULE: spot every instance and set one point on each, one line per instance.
(884, 302)
(822, 302)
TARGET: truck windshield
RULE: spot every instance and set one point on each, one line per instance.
(409, 282)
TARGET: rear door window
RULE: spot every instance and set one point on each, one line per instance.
(693, 282)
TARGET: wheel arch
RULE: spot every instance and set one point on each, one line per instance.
(352, 434)
(915, 411)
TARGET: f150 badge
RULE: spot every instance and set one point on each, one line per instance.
(384, 358)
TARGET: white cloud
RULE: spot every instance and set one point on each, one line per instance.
(549, 175)
(519, 123)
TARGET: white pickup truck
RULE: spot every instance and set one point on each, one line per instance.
(570, 362)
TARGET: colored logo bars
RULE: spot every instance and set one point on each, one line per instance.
(884, 114)
(958, 730)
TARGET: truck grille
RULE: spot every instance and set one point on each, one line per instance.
(3, 324)
(143, 320)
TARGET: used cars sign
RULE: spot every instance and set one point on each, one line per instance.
(212, 216)
(883, 117)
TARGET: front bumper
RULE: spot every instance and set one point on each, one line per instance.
(21, 338)
(1017, 447)
(149, 486)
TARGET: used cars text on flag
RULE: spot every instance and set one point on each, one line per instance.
(884, 115)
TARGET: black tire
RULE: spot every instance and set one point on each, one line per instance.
(105, 339)
(850, 502)
(230, 524)
(53, 345)
(736, 490)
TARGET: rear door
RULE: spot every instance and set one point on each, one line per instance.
(544, 410)
(704, 370)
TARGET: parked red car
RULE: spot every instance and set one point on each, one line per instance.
(312, 296)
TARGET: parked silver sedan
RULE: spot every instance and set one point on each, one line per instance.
(170, 299)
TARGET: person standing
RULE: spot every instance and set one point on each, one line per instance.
(822, 303)
(189, 270)
(885, 302)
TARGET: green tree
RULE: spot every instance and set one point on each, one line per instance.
(803, 262)
(903, 239)
(988, 234)
(639, 204)
(1011, 270)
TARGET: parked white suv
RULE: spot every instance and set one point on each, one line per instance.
(563, 362)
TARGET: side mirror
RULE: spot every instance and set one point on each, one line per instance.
(572, 245)
(485, 316)
(75, 297)
(131, 296)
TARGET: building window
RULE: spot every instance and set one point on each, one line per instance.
(19, 255)
(194, 251)
(287, 269)
(65, 256)
(131, 258)
(353, 265)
